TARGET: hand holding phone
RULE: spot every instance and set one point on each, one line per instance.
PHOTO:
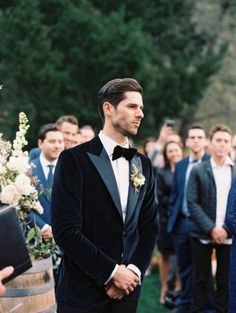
(170, 123)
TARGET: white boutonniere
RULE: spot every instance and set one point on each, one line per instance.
(137, 178)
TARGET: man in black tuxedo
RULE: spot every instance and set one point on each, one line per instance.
(104, 214)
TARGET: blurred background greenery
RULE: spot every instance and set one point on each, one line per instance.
(56, 54)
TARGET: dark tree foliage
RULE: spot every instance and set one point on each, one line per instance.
(56, 54)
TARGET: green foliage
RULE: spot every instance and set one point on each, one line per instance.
(38, 247)
(56, 54)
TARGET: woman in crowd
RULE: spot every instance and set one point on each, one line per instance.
(172, 153)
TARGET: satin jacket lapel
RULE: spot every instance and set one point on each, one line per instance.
(133, 195)
(104, 168)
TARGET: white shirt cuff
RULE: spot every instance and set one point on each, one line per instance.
(136, 270)
(112, 275)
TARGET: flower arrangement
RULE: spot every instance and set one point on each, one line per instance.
(137, 178)
(17, 188)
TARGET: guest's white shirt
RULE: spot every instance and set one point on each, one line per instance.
(121, 171)
(45, 162)
(223, 178)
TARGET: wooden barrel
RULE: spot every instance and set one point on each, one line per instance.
(31, 292)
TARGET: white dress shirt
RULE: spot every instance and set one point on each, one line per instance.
(120, 168)
(44, 162)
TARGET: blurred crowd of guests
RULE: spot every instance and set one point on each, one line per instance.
(196, 194)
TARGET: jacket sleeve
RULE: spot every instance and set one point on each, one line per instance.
(173, 194)
(34, 218)
(67, 221)
(198, 215)
(231, 209)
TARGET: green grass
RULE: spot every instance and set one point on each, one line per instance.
(149, 301)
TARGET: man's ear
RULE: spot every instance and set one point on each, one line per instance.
(39, 143)
(108, 108)
(187, 143)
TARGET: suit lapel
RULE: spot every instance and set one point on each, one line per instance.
(233, 172)
(43, 182)
(133, 195)
(104, 168)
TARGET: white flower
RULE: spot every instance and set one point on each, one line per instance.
(137, 178)
(9, 195)
(2, 168)
(18, 163)
(38, 207)
(23, 185)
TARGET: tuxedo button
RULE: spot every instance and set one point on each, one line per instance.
(124, 233)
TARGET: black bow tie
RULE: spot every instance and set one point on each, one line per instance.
(127, 153)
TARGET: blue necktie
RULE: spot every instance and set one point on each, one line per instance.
(50, 176)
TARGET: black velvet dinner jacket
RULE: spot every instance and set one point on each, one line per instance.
(88, 226)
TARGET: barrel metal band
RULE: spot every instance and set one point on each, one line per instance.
(25, 292)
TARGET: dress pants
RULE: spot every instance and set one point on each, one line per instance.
(111, 306)
(202, 271)
(182, 243)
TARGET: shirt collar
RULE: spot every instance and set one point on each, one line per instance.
(228, 161)
(191, 160)
(45, 162)
(109, 144)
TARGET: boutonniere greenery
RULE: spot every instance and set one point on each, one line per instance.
(137, 178)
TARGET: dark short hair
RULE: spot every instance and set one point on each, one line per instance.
(67, 118)
(114, 90)
(197, 126)
(219, 128)
(45, 129)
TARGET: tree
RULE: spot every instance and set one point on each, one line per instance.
(56, 54)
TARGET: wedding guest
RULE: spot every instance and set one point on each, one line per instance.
(105, 220)
(148, 145)
(172, 153)
(231, 224)
(233, 151)
(208, 189)
(51, 144)
(87, 132)
(179, 222)
(69, 126)
(4, 273)
(167, 133)
(78, 139)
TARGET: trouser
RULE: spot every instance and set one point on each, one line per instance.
(202, 271)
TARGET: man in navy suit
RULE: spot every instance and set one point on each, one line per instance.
(104, 214)
(179, 223)
(69, 126)
(51, 144)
